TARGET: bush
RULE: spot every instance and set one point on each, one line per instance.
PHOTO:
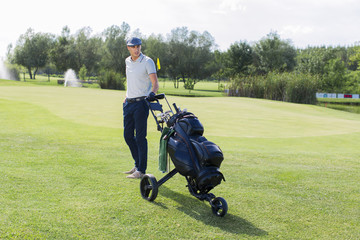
(83, 72)
(275, 86)
(14, 73)
(189, 83)
(109, 79)
(290, 87)
(247, 86)
(302, 88)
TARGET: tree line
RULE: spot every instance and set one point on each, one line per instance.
(252, 69)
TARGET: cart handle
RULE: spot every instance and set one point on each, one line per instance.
(157, 97)
(160, 96)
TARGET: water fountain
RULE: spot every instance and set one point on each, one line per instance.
(4, 71)
(71, 79)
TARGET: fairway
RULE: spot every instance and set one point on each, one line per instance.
(291, 170)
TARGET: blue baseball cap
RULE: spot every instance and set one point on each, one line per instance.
(134, 41)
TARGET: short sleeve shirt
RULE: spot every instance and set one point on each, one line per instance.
(137, 76)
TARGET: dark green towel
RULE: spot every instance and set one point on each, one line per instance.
(162, 150)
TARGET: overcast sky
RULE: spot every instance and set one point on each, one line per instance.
(304, 22)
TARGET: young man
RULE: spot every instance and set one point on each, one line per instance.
(142, 82)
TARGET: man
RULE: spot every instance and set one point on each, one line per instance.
(142, 82)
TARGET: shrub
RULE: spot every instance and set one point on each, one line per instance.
(109, 79)
(290, 87)
(189, 83)
(14, 73)
(302, 88)
(275, 86)
(83, 72)
(247, 86)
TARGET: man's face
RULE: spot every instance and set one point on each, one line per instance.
(135, 51)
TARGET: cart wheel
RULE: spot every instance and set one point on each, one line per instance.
(219, 206)
(148, 187)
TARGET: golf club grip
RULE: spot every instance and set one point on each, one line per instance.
(176, 108)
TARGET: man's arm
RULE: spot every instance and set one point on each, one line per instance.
(155, 82)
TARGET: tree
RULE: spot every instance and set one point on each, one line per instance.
(239, 58)
(156, 48)
(32, 50)
(74, 51)
(274, 54)
(352, 84)
(355, 57)
(335, 75)
(313, 60)
(87, 48)
(190, 55)
(114, 48)
(63, 54)
(218, 65)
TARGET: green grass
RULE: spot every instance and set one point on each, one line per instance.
(348, 101)
(348, 105)
(202, 88)
(49, 81)
(342, 107)
(292, 171)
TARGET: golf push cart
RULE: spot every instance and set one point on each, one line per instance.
(193, 156)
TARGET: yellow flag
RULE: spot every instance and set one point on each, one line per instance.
(158, 64)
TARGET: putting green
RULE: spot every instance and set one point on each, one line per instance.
(231, 117)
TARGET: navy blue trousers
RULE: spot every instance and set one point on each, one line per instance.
(135, 129)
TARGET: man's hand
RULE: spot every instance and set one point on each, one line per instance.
(151, 97)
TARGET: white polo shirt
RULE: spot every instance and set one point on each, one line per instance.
(137, 76)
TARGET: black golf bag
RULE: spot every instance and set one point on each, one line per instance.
(192, 154)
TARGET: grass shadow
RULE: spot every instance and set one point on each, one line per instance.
(229, 223)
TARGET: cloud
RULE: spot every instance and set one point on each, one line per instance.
(233, 5)
(296, 30)
(230, 5)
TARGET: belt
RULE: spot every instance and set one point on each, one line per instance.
(132, 100)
